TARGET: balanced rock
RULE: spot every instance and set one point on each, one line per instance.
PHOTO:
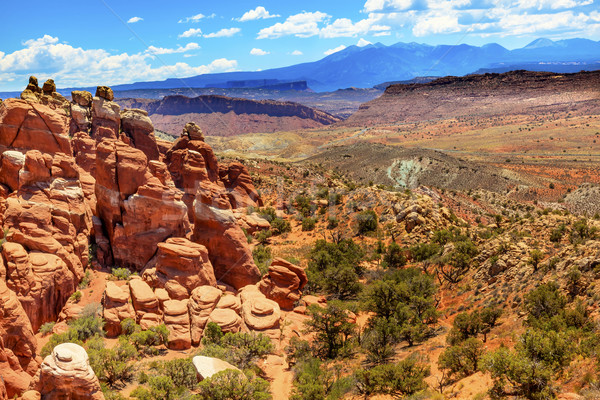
(106, 117)
(105, 92)
(193, 131)
(208, 366)
(202, 302)
(66, 374)
(283, 283)
(49, 87)
(138, 126)
(82, 98)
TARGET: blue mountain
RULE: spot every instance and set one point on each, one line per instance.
(376, 63)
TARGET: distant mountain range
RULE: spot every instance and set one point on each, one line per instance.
(376, 63)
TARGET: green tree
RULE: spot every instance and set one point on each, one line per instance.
(367, 221)
(318, 380)
(308, 224)
(398, 380)
(334, 333)
(394, 256)
(233, 385)
(535, 257)
(461, 360)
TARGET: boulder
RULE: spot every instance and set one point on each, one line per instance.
(66, 374)
(184, 263)
(177, 320)
(105, 92)
(82, 98)
(49, 87)
(138, 126)
(227, 319)
(283, 283)
(193, 131)
(202, 302)
(208, 366)
(10, 167)
(106, 118)
(116, 308)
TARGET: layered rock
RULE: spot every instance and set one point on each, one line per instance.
(181, 266)
(283, 283)
(47, 95)
(177, 320)
(145, 303)
(17, 344)
(66, 374)
(27, 125)
(260, 314)
(81, 112)
(106, 114)
(116, 308)
(203, 301)
(137, 125)
(242, 193)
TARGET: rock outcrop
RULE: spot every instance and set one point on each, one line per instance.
(283, 283)
(136, 124)
(117, 307)
(203, 301)
(66, 374)
(177, 320)
(145, 303)
(81, 112)
(260, 314)
(242, 193)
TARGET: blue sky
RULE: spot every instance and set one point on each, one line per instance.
(86, 43)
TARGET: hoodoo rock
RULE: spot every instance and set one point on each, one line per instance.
(66, 374)
(116, 308)
(193, 131)
(106, 114)
(203, 301)
(81, 111)
(283, 283)
(242, 193)
(17, 344)
(145, 303)
(260, 314)
(181, 264)
(137, 125)
(177, 320)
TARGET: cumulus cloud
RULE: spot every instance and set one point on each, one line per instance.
(296, 53)
(195, 18)
(305, 24)
(258, 52)
(133, 20)
(192, 32)
(225, 32)
(343, 27)
(331, 51)
(258, 13)
(69, 66)
(179, 49)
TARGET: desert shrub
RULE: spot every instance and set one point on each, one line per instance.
(262, 258)
(334, 333)
(240, 349)
(46, 328)
(262, 237)
(85, 281)
(322, 193)
(335, 199)
(367, 221)
(121, 274)
(76, 297)
(397, 380)
(535, 257)
(80, 329)
(146, 341)
(280, 226)
(128, 326)
(458, 261)
(332, 223)
(233, 385)
(304, 205)
(181, 371)
(334, 268)
(394, 256)
(379, 341)
(308, 224)
(268, 213)
(160, 387)
(212, 334)
(112, 366)
(557, 233)
(544, 304)
(424, 251)
(461, 360)
(315, 379)
(581, 232)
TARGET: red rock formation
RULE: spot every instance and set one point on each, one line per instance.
(283, 283)
(238, 182)
(106, 117)
(177, 320)
(145, 303)
(203, 301)
(66, 374)
(181, 266)
(17, 344)
(27, 125)
(116, 308)
(136, 124)
(81, 112)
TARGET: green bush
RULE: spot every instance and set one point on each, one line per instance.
(85, 281)
(112, 366)
(398, 380)
(304, 205)
(76, 297)
(308, 224)
(333, 332)
(181, 371)
(367, 221)
(424, 251)
(121, 274)
(240, 349)
(334, 268)
(280, 226)
(461, 360)
(46, 328)
(315, 379)
(557, 233)
(262, 258)
(332, 223)
(263, 237)
(394, 256)
(268, 213)
(581, 232)
(146, 341)
(233, 385)
(212, 334)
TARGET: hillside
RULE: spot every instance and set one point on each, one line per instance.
(487, 95)
(224, 116)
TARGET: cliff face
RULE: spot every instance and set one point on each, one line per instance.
(511, 93)
(225, 116)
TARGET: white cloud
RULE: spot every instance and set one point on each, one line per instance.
(343, 27)
(70, 66)
(382, 5)
(191, 33)
(179, 49)
(362, 43)
(133, 20)
(225, 32)
(552, 4)
(296, 53)
(258, 13)
(195, 18)
(437, 23)
(301, 25)
(331, 51)
(258, 52)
